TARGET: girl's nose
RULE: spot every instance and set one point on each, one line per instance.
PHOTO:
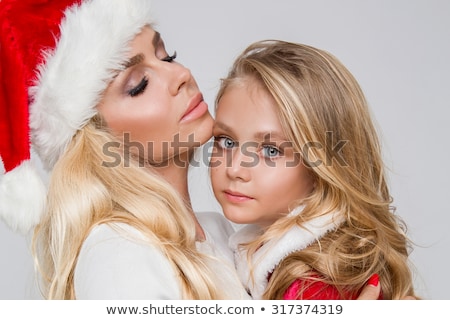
(240, 164)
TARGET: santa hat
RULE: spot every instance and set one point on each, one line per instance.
(56, 59)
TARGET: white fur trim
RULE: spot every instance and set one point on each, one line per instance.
(93, 43)
(274, 251)
(22, 197)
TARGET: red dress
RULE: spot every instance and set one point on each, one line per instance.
(317, 290)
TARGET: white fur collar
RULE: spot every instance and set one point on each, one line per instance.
(274, 251)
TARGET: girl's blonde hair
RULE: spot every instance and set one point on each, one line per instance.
(326, 117)
(85, 192)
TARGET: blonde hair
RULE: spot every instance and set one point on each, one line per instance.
(320, 104)
(85, 193)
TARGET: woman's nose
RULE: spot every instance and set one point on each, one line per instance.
(180, 76)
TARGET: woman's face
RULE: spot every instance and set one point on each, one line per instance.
(154, 104)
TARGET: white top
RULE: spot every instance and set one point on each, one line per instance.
(271, 253)
(115, 263)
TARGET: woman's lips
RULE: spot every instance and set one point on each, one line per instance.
(197, 107)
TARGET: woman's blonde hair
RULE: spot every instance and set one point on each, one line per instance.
(326, 117)
(85, 192)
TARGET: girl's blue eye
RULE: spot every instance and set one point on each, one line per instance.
(270, 152)
(140, 88)
(225, 142)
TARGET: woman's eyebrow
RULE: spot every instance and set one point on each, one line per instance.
(156, 41)
(134, 60)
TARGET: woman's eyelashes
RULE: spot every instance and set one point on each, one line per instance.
(170, 58)
(140, 88)
(142, 85)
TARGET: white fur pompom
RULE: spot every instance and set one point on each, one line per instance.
(22, 197)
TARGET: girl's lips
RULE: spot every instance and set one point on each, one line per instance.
(236, 196)
(197, 107)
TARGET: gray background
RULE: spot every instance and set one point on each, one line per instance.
(397, 50)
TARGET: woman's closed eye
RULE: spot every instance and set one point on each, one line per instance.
(139, 88)
(142, 85)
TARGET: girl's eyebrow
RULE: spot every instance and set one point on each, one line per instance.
(269, 135)
(222, 126)
(265, 136)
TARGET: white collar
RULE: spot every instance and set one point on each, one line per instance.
(275, 250)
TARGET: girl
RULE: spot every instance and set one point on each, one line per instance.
(297, 158)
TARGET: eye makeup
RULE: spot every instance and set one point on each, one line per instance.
(138, 89)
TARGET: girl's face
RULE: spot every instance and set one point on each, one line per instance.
(255, 172)
(154, 104)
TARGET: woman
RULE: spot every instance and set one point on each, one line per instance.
(114, 120)
(99, 85)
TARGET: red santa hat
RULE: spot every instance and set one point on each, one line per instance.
(56, 59)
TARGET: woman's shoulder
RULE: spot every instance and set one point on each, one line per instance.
(115, 262)
(115, 232)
